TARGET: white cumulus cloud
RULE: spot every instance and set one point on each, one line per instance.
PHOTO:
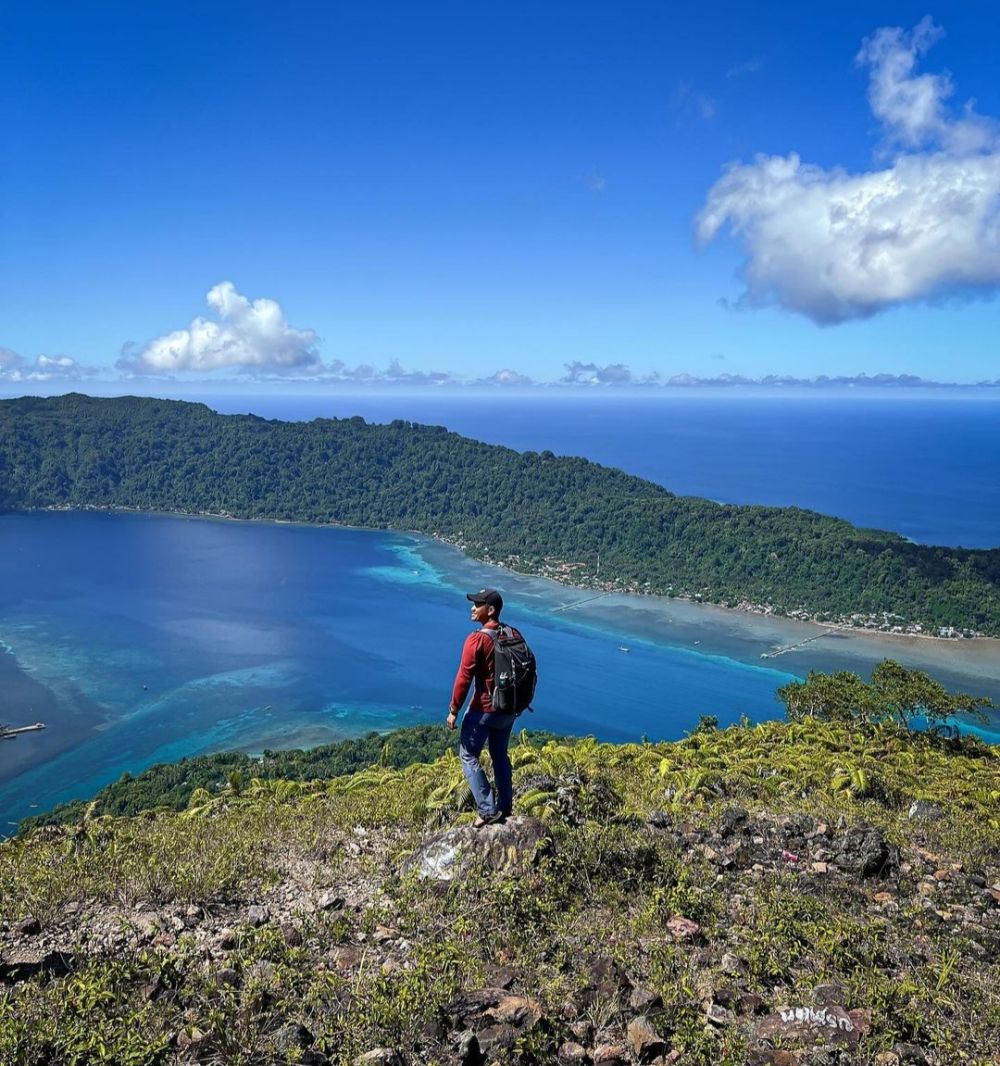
(833, 245)
(14, 367)
(507, 377)
(249, 335)
(9, 360)
(578, 373)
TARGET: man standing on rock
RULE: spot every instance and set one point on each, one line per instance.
(481, 724)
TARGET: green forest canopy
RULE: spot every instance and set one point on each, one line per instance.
(516, 508)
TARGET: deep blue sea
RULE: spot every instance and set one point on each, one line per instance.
(139, 639)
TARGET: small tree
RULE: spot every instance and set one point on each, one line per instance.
(839, 697)
(904, 694)
(895, 693)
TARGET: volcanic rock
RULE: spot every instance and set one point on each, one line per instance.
(610, 1055)
(865, 852)
(645, 1040)
(681, 928)
(809, 1026)
(926, 810)
(21, 963)
(503, 848)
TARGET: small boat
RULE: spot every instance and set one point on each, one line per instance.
(621, 647)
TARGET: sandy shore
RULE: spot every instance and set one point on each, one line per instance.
(708, 629)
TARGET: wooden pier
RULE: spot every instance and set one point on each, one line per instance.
(11, 733)
(791, 647)
(577, 603)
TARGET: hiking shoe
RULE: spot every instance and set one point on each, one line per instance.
(492, 819)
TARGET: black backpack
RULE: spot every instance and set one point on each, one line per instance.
(514, 672)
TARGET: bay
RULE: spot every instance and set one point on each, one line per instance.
(145, 638)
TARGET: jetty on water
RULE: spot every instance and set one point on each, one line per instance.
(11, 732)
(791, 647)
(577, 603)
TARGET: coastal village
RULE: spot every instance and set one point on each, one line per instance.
(583, 575)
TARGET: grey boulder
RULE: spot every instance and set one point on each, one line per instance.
(503, 848)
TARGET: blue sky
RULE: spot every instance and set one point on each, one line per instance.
(321, 193)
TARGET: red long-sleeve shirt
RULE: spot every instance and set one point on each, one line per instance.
(476, 665)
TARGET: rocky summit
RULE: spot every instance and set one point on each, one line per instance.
(778, 894)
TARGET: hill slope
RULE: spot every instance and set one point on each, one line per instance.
(170, 785)
(760, 894)
(525, 510)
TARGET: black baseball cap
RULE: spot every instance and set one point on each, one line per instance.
(490, 597)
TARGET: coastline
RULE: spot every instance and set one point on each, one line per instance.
(709, 628)
(560, 572)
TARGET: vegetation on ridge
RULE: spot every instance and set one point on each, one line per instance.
(171, 785)
(525, 510)
(697, 886)
(895, 693)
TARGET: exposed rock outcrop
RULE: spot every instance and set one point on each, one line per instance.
(506, 847)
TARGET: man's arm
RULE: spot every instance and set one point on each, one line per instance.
(465, 675)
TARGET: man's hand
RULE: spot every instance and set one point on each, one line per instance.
(452, 718)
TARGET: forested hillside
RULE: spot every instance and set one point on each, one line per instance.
(523, 509)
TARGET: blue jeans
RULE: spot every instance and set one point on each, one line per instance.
(479, 729)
